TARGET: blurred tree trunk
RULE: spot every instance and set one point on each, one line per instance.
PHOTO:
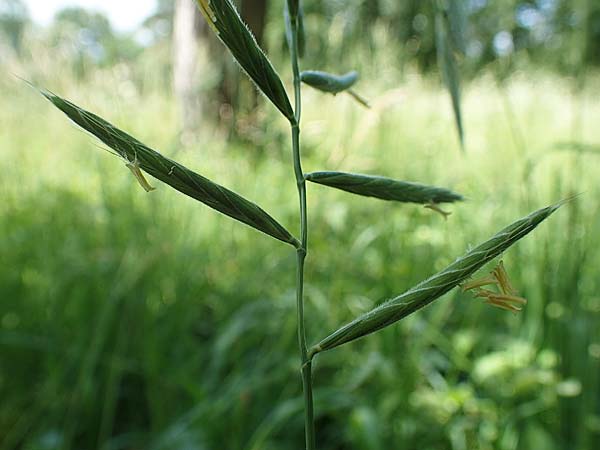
(254, 13)
(186, 30)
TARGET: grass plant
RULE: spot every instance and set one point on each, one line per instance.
(237, 38)
(204, 335)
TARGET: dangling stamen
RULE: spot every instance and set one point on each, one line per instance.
(500, 274)
(485, 281)
(501, 300)
(437, 209)
(506, 299)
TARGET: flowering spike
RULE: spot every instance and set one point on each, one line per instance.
(437, 285)
(225, 21)
(141, 157)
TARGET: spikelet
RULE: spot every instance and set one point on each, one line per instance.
(227, 24)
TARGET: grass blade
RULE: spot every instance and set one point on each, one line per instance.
(580, 147)
(293, 7)
(449, 70)
(301, 34)
(226, 22)
(172, 173)
(457, 24)
(434, 287)
(384, 188)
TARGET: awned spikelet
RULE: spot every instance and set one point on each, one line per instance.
(434, 287)
(139, 157)
(327, 82)
(385, 188)
(333, 84)
(226, 22)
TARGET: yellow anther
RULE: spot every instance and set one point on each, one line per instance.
(483, 293)
(208, 13)
(501, 300)
(485, 281)
(500, 274)
(134, 167)
(501, 305)
(437, 209)
(510, 298)
(506, 299)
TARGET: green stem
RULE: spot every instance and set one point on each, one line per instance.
(306, 361)
(306, 367)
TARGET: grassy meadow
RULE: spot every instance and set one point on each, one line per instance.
(134, 320)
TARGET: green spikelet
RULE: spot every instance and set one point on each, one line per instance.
(226, 22)
(434, 287)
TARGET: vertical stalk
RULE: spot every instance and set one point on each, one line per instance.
(306, 362)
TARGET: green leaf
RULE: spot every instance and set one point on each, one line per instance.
(328, 82)
(226, 22)
(384, 188)
(434, 287)
(449, 70)
(172, 173)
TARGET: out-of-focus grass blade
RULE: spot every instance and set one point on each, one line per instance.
(457, 24)
(293, 7)
(429, 290)
(328, 82)
(301, 33)
(450, 75)
(172, 173)
(581, 147)
(288, 29)
(287, 25)
(384, 188)
(224, 19)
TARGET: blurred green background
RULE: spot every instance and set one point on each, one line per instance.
(148, 321)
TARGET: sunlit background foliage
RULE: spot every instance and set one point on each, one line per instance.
(132, 320)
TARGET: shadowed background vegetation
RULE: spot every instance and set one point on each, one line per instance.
(136, 320)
